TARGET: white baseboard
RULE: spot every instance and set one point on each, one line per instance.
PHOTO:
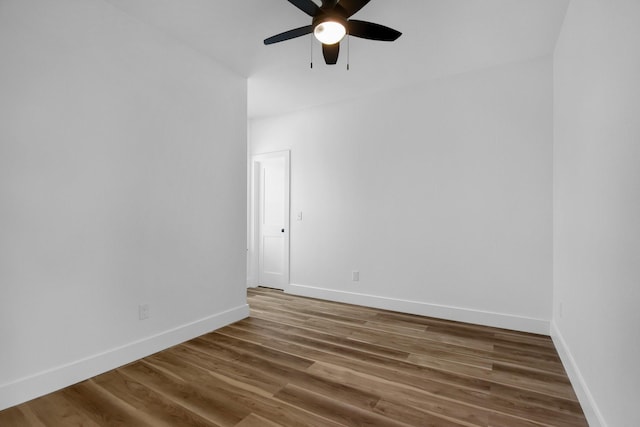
(33, 386)
(589, 406)
(498, 320)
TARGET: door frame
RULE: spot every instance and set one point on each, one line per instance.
(254, 255)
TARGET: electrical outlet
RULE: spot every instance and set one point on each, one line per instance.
(355, 276)
(143, 311)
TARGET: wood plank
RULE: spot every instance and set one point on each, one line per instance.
(13, 417)
(253, 420)
(333, 409)
(410, 342)
(280, 375)
(415, 416)
(54, 409)
(162, 410)
(533, 399)
(406, 378)
(439, 406)
(303, 362)
(223, 396)
(102, 408)
(34, 421)
(211, 404)
(380, 350)
(373, 361)
(251, 372)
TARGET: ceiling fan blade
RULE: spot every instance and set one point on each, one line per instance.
(288, 35)
(331, 53)
(307, 6)
(351, 7)
(371, 31)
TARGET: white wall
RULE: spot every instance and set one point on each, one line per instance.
(597, 207)
(122, 181)
(440, 194)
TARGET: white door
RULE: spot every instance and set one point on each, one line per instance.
(273, 219)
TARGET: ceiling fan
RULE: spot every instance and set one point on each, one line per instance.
(331, 23)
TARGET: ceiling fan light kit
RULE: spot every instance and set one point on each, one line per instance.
(331, 24)
(330, 32)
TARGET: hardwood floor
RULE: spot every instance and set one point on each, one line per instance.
(303, 362)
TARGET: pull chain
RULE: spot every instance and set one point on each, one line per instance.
(348, 51)
(311, 50)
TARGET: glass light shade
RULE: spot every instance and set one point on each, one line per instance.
(329, 32)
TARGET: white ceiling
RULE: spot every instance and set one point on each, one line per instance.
(440, 37)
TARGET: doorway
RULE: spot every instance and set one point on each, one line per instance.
(270, 219)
